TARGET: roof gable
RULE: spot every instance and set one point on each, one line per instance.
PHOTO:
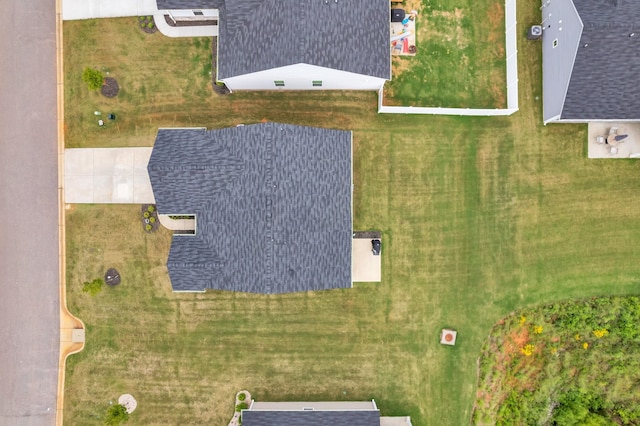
(311, 418)
(604, 82)
(272, 205)
(256, 35)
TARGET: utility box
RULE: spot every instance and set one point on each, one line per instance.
(534, 32)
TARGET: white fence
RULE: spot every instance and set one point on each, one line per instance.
(511, 53)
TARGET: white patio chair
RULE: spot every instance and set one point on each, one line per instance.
(613, 130)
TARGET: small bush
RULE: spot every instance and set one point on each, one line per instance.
(116, 414)
(148, 227)
(93, 287)
(242, 396)
(151, 209)
(152, 219)
(241, 406)
(93, 78)
(146, 214)
(150, 25)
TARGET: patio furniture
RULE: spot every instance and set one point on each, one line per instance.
(613, 139)
(600, 139)
(614, 149)
(613, 130)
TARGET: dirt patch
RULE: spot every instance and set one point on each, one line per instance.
(515, 340)
(400, 65)
(110, 88)
(495, 16)
(449, 33)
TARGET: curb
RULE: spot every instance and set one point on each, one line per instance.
(71, 328)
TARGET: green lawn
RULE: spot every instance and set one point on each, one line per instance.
(460, 61)
(479, 216)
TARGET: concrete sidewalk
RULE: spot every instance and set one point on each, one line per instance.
(107, 176)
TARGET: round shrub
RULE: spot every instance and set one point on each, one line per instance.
(151, 209)
(242, 396)
(148, 227)
(152, 219)
(146, 214)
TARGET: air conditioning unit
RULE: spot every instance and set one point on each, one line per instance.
(535, 32)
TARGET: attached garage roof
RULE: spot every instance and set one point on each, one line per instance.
(257, 35)
(272, 204)
(311, 418)
(591, 54)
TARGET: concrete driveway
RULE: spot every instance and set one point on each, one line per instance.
(107, 175)
(29, 244)
(89, 9)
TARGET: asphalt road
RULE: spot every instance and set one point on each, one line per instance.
(29, 300)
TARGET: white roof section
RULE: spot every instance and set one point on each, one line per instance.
(561, 32)
(314, 406)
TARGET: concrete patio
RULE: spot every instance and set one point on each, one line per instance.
(366, 267)
(627, 148)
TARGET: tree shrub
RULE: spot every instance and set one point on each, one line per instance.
(150, 25)
(241, 406)
(148, 227)
(146, 214)
(152, 219)
(151, 209)
(93, 287)
(242, 396)
(116, 414)
(93, 77)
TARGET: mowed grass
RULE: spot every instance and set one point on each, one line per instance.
(479, 216)
(165, 82)
(460, 61)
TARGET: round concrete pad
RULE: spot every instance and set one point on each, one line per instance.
(128, 401)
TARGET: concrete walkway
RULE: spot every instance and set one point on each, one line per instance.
(92, 9)
(190, 31)
(177, 224)
(107, 175)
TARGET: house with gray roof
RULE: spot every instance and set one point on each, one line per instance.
(591, 60)
(298, 44)
(272, 207)
(340, 413)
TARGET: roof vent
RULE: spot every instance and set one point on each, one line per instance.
(535, 32)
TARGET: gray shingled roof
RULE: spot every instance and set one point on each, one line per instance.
(604, 79)
(256, 35)
(272, 205)
(310, 418)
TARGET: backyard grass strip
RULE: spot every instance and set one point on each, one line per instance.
(479, 217)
